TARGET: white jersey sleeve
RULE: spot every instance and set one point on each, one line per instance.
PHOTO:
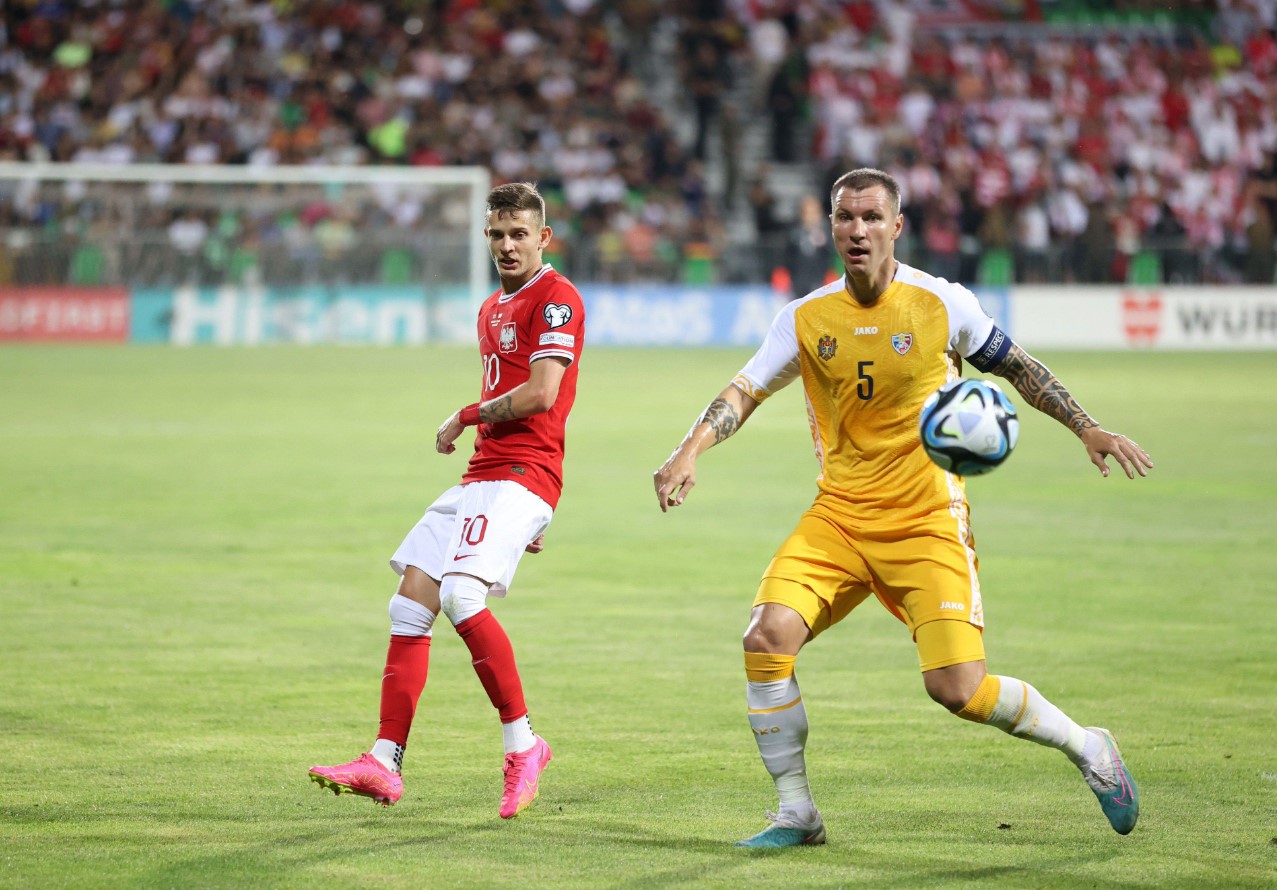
(972, 333)
(775, 364)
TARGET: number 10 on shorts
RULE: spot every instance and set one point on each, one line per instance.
(473, 529)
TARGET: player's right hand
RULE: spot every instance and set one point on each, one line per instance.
(448, 433)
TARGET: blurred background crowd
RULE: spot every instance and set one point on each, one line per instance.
(676, 140)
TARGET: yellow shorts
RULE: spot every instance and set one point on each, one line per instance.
(923, 571)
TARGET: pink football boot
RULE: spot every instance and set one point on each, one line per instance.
(365, 775)
(523, 777)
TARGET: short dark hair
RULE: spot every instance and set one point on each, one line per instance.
(865, 178)
(515, 196)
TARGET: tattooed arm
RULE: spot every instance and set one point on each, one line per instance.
(1043, 390)
(724, 416)
(536, 396)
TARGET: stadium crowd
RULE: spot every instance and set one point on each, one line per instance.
(1045, 149)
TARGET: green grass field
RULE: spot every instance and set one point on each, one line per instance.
(192, 566)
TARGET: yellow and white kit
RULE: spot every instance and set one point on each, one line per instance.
(886, 521)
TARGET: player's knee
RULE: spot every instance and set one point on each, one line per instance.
(418, 586)
(948, 699)
(953, 696)
(760, 637)
(462, 597)
(409, 618)
(776, 629)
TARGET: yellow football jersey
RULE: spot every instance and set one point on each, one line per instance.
(866, 372)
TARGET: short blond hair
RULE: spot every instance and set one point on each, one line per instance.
(865, 178)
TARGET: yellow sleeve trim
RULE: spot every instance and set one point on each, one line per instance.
(757, 393)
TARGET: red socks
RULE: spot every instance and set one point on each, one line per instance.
(493, 660)
(407, 661)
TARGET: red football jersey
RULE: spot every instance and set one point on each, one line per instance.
(544, 318)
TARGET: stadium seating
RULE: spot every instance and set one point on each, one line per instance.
(1181, 94)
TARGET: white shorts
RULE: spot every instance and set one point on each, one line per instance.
(479, 529)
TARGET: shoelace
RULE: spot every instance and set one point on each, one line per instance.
(1106, 780)
(511, 773)
(781, 821)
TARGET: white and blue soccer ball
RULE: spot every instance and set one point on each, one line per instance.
(969, 427)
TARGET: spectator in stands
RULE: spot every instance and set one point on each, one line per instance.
(1260, 243)
(809, 250)
(707, 78)
(1095, 246)
(187, 233)
(732, 136)
(769, 227)
(786, 104)
(1168, 235)
(1033, 241)
(941, 237)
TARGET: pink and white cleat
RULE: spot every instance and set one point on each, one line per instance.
(365, 775)
(523, 777)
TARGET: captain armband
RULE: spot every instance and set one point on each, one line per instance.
(991, 354)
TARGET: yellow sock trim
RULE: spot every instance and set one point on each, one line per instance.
(1024, 704)
(981, 706)
(763, 667)
(796, 701)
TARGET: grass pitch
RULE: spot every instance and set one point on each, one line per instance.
(192, 567)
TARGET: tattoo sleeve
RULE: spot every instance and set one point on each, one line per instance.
(498, 410)
(1043, 390)
(722, 418)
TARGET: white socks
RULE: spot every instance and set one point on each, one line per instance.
(389, 753)
(1024, 713)
(779, 722)
(517, 735)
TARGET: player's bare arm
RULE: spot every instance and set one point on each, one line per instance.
(724, 416)
(1043, 390)
(536, 396)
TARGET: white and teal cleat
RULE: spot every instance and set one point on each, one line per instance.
(784, 833)
(1112, 783)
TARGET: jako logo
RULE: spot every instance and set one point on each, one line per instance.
(860, 331)
(959, 607)
(766, 731)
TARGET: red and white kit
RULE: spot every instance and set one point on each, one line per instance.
(510, 489)
(542, 319)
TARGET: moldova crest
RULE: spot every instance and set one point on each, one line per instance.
(902, 343)
(826, 346)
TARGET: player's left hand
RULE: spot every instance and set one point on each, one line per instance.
(448, 433)
(537, 545)
(1101, 443)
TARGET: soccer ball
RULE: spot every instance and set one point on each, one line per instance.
(968, 427)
